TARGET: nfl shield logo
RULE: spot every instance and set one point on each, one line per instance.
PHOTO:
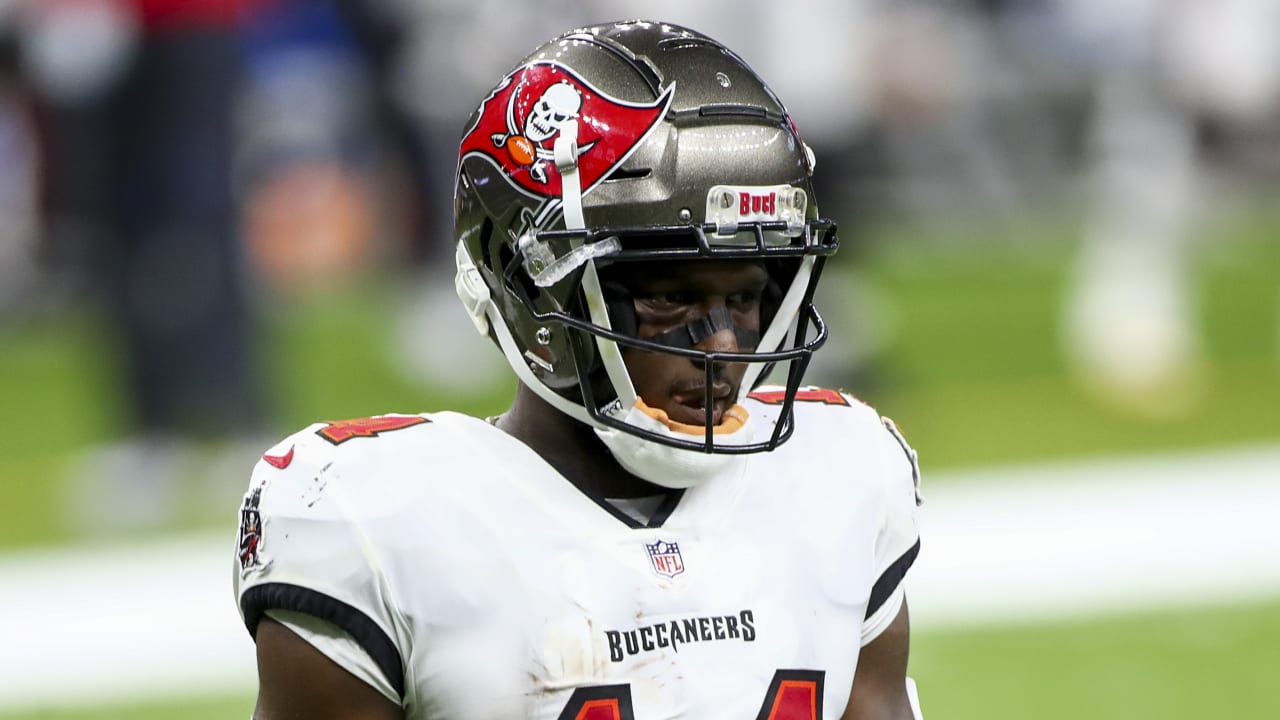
(665, 558)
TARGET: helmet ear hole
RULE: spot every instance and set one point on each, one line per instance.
(520, 282)
(486, 231)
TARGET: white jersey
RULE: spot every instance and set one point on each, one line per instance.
(470, 579)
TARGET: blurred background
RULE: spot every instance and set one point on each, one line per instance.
(221, 220)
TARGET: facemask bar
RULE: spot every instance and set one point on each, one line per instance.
(590, 412)
(767, 240)
(816, 238)
(798, 356)
(800, 287)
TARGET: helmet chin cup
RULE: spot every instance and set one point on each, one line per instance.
(667, 465)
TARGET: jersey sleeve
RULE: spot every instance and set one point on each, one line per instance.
(337, 645)
(301, 550)
(898, 540)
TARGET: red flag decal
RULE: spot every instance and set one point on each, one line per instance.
(519, 122)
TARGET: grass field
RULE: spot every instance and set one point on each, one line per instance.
(972, 370)
(1202, 664)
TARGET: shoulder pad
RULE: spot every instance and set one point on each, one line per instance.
(320, 442)
(910, 452)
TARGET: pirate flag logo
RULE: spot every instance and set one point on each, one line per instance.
(519, 122)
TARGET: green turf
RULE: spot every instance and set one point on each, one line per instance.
(330, 357)
(58, 388)
(1186, 665)
(976, 374)
(1183, 665)
(196, 708)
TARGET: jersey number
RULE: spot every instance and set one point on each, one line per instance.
(341, 431)
(821, 395)
(793, 695)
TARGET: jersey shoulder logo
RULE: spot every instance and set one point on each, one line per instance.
(250, 535)
(340, 431)
(518, 124)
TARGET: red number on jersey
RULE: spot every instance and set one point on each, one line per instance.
(340, 431)
(602, 702)
(822, 395)
(793, 695)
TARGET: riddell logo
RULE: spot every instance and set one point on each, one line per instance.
(750, 204)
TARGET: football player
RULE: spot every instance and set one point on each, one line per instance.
(653, 529)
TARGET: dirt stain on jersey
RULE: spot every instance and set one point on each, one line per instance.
(315, 490)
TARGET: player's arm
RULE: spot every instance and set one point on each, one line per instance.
(880, 681)
(297, 681)
(881, 689)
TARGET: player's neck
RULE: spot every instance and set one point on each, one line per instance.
(571, 447)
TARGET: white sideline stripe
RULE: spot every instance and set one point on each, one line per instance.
(1084, 538)
(1016, 544)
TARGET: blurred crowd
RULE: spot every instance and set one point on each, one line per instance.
(175, 161)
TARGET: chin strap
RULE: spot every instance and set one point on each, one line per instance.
(674, 467)
(565, 153)
(566, 157)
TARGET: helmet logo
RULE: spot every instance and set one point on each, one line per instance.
(558, 103)
(518, 124)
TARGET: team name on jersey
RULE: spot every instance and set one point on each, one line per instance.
(674, 633)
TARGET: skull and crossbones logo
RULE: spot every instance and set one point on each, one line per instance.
(558, 104)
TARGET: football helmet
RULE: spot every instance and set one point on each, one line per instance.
(625, 142)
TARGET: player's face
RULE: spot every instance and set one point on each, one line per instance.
(670, 296)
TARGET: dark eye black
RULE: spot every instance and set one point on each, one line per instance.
(743, 299)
